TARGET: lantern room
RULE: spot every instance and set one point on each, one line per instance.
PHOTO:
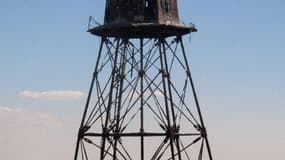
(141, 11)
(141, 19)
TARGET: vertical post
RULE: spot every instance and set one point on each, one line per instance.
(171, 101)
(204, 132)
(121, 83)
(141, 74)
(80, 134)
(163, 74)
(102, 154)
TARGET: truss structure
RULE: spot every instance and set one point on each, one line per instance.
(142, 104)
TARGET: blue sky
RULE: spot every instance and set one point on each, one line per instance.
(237, 60)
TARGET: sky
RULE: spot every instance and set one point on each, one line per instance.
(237, 59)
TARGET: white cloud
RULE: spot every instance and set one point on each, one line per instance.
(148, 93)
(4, 109)
(52, 95)
(21, 116)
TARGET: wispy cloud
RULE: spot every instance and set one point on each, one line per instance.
(52, 95)
(26, 117)
(4, 109)
(25, 130)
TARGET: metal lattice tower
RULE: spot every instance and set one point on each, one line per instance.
(142, 103)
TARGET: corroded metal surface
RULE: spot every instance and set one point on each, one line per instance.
(141, 19)
(141, 11)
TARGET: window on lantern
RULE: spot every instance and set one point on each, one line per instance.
(150, 13)
(166, 5)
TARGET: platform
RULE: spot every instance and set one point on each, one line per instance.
(141, 30)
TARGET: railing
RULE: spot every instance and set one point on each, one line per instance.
(92, 23)
(192, 25)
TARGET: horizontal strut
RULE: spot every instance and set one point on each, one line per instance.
(134, 134)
